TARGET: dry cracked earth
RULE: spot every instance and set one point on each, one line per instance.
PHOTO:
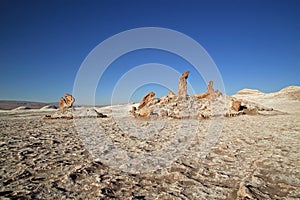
(255, 157)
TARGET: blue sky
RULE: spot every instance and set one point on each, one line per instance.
(255, 44)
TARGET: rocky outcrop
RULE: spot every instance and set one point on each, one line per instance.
(66, 110)
(182, 92)
(236, 105)
(146, 99)
(145, 112)
(69, 100)
(174, 106)
(62, 103)
(66, 102)
(210, 92)
(209, 87)
(201, 106)
(243, 107)
(143, 108)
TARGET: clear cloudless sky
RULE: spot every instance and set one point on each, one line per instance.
(255, 44)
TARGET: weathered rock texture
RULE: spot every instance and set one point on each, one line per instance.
(209, 87)
(182, 92)
(69, 100)
(143, 110)
(206, 105)
(236, 105)
(210, 92)
(62, 103)
(146, 99)
(66, 102)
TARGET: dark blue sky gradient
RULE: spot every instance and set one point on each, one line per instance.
(255, 44)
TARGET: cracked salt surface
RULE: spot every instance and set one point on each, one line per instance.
(255, 157)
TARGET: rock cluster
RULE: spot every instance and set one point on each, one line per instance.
(182, 106)
(67, 111)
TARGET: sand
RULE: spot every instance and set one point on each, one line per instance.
(255, 157)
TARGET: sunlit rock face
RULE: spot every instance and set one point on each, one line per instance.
(182, 84)
(66, 102)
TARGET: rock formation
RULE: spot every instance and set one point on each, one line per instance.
(69, 100)
(201, 106)
(143, 110)
(146, 99)
(182, 84)
(62, 103)
(209, 87)
(66, 110)
(144, 113)
(210, 93)
(236, 105)
(66, 102)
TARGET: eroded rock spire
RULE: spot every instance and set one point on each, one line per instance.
(182, 91)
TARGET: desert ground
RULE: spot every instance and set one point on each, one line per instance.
(255, 157)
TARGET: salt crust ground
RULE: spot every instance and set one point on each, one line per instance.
(256, 157)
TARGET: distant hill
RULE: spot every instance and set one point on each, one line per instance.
(290, 92)
(8, 104)
(247, 91)
(283, 100)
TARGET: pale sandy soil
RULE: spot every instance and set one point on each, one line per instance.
(255, 157)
